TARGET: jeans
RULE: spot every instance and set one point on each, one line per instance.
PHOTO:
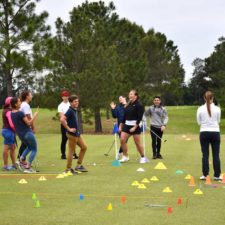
(29, 140)
(213, 139)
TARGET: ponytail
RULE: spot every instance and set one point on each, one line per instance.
(208, 98)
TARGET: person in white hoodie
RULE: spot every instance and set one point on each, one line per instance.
(208, 117)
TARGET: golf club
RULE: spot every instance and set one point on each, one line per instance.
(107, 153)
(163, 140)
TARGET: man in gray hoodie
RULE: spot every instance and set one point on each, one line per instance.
(158, 121)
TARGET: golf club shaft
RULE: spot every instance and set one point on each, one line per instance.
(110, 148)
(157, 135)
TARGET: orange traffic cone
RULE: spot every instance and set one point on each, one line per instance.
(192, 182)
(208, 180)
(223, 180)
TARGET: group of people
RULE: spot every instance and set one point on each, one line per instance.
(18, 119)
(129, 116)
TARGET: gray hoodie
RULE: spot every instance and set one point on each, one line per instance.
(158, 116)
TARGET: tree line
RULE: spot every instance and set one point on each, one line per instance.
(96, 54)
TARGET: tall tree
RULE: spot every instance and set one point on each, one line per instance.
(22, 34)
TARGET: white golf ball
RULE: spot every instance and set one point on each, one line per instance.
(94, 164)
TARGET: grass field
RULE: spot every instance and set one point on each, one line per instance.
(103, 184)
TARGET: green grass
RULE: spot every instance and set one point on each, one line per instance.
(104, 184)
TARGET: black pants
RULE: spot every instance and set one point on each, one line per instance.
(213, 139)
(63, 141)
(156, 142)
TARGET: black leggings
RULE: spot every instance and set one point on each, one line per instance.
(63, 140)
(213, 139)
(156, 142)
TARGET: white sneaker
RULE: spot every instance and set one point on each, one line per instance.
(202, 177)
(119, 156)
(124, 159)
(217, 178)
(143, 160)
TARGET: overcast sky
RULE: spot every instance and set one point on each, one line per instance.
(193, 25)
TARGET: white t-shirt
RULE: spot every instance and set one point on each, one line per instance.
(206, 122)
(63, 107)
(25, 107)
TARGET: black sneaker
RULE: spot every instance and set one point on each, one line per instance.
(75, 156)
(63, 157)
(71, 170)
(154, 157)
(159, 156)
(81, 169)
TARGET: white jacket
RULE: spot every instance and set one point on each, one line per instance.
(206, 122)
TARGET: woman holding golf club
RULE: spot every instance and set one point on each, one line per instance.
(158, 121)
(130, 126)
(23, 129)
(208, 117)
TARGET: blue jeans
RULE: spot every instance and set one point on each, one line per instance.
(29, 140)
(213, 139)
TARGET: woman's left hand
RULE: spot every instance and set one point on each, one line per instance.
(163, 128)
(132, 129)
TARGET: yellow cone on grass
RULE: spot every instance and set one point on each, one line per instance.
(42, 178)
(135, 183)
(198, 192)
(154, 178)
(167, 190)
(160, 166)
(145, 180)
(22, 181)
(188, 177)
(141, 186)
(110, 208)
(60, 176)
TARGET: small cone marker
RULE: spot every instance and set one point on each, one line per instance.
(81, 197)
(37, 205)
(160, 166)
(198, 192)
(167, 190)
(179, 172)
(140, 170)
(145, 180)
(223, 180)
(141, 186)
(116, 163)
(22, 181)
(42, 178)
(192, 182)
(34, 196)
(169, 210)
(110, 208)
(60, 176)
(179, 201)
(188, 177)
(135, 183)
(208, 180)
(123, 199)
(154, 178)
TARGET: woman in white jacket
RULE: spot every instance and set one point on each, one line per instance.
(208, 117)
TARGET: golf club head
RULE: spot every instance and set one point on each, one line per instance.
(165, 141)
(106, 154)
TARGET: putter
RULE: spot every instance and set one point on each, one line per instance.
(163, 140)
(107, 153)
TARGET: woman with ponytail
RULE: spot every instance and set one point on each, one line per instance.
(208, 117)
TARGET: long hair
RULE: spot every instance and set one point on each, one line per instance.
(135, 93)
(208, 98)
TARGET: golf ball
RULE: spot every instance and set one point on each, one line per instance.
(94, 164)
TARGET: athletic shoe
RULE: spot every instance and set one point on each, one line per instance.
(124, 159)
(29, 170)
(202, 177)
(217, 178)
(143, 160)
(12, 168)
(159, 156)
(5, 168)
(71, 170)
(75, 156)
(63, 157)
(119, 156)
(80, 169)
(154, 157)
(20, 166)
